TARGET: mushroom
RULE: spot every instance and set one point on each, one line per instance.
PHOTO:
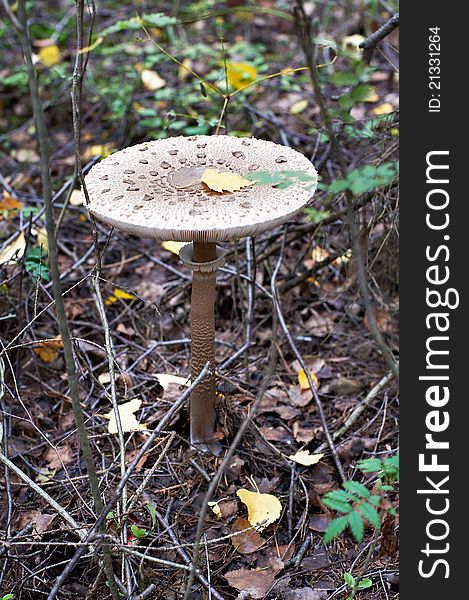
(154, 190)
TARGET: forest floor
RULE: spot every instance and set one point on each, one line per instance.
(147, 296)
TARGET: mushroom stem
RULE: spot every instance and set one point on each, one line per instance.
(202, 401)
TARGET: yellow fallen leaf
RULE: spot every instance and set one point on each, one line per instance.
(382, 109)
(173, 247)
(372, 96)
(14, 251)
(50, 55)
(8, 203)
(352, 43)
(303, 380)
(215, 508)
(104, 378)
(151, 80)
(298, 107)
(117, 293)
(240, 74)
(76, 198)
(344, 259)
(48, 350)
(183, 70)
(303, 457)
(319, 254)
(42, 240)
(98, 149)
(123, 294)
(166, 378)
(219, 182)
(263, 509)
(127, 417)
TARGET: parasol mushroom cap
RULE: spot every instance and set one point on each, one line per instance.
(153, 190)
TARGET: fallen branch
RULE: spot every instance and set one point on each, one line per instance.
(370, 43)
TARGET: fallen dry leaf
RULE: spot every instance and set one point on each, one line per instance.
(50, 55)
(76, 198)
(127, 417)
(14, 251)
(228, 508)
(256, 583)
(263, 509)
(187, 176)
(298, 107)
(48, 350)
(131, 454)
(303, 380)
(303, 457)
(118, 293)
(151, 80)
(166, 378)
(240, 74)
(305, 593)
(304, 435)
(173, 247)
(318, 523)
(42, 239)
(215, 509)
(246, 542)
(8, 203)
(56, 457)
(226, 181)
(383, 109)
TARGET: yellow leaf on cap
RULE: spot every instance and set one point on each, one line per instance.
(263, 509)
(173, 247)
(303, 457)
(382, 109)
(303, 380)
(127, 417)
(151, 80)
(14, 251)
(50, 55)
(219, 182)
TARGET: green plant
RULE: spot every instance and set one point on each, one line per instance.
(7, 597)
(357, 504)
(34, 263)
(386, 469)
(354, 584)
(366, 179)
